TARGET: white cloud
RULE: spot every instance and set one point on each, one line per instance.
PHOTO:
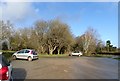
(17, 11)
(20, 10)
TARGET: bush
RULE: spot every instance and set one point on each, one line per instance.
(8, 54)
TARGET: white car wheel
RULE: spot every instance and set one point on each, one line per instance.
(14, 57)
(79, 55)
(29, 59)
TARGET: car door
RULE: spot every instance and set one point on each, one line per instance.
(20, 54)
(76, 53)
(26, 54)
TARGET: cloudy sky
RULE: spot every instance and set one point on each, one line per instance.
(102, 16)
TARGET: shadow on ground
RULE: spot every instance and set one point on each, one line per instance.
(19, 74)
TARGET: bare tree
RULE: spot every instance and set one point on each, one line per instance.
(6, 28)
(5, 32)
(78, 45)
(89, 41)
(100, 46)
(41, 28)
(58, 36)
(16, 41)
(44, 36)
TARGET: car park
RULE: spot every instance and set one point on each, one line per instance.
(28, 54)
(5, 69)
(76, 53)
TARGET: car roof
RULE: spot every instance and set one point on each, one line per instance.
(27, 49)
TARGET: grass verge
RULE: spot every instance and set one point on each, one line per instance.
(53, 55)
(100, 55)
(107, 56)
(118, 58)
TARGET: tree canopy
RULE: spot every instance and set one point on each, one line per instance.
(51, 37)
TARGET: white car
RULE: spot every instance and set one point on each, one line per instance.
(76, 53)
(5, 69)
(28, 54)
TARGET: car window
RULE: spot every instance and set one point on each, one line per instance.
(34, 53)
(76, 51)
(27, 51)
(21, 51)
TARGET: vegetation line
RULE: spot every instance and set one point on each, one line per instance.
(52, 37)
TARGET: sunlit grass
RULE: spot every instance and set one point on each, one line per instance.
(53, 55)
(100, 55)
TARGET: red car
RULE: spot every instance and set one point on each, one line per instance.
(5, 69)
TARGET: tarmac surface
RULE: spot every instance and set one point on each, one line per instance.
(66, 68)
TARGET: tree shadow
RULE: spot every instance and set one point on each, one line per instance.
(19, 74)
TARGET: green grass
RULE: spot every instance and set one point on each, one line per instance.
(106, 56)
(8, 55)
(6, 51)
(118, 58)
(102, 56)
(53, 55)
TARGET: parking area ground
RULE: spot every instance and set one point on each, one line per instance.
(66, 68)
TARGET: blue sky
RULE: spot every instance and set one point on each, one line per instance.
(102, 16)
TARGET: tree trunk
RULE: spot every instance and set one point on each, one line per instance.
(58, 51)
(42, 49)
(50, 52)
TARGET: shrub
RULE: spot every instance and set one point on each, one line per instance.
(8, 54)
